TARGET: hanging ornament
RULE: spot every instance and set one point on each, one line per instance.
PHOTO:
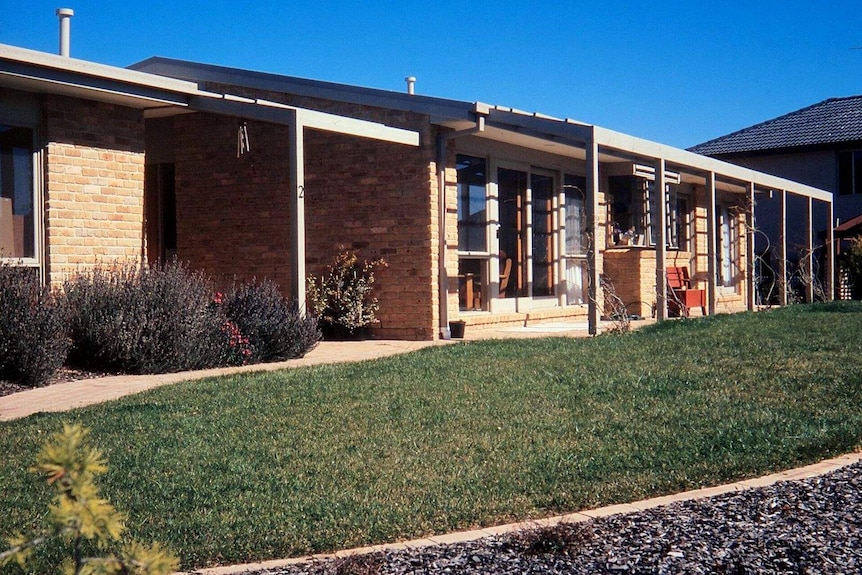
(243, 144)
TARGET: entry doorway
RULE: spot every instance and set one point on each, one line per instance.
(160, 212)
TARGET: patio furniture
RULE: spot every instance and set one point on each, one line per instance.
(681, 296)
(505, 272)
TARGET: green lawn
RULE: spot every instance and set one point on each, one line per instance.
(270, 465)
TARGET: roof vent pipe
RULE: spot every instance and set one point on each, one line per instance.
(411, 84)
(65, 16)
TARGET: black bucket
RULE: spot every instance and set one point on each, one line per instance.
(456, 329)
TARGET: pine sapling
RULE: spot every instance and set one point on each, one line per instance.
(78, 514)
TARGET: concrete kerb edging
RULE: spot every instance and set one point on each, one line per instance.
(813, 470)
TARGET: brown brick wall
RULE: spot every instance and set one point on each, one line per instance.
(374, 197)
(232, 213)
(378, 198)
(94, 185)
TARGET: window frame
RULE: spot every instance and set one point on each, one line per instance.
(642, 210)
(36, 195)
(849, 172)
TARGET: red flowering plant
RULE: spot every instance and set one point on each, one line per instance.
(236, 347)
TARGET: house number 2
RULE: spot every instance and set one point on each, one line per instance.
(300, 191)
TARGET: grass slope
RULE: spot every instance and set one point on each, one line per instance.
(270, 465)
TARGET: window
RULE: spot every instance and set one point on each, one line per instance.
(472, 216)
(576, 216)
(678, 220)
(850, 173)
(635, 211)
(17, 206)
(542, 202)
(727, 235)
(472, 233)
(576, 239)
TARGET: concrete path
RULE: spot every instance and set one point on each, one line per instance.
(74, 394)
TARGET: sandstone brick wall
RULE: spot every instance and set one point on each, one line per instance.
(380, 199)
(94, 185)
(633, 273)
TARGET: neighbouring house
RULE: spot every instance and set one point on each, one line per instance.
(485, 214)
(820, 145)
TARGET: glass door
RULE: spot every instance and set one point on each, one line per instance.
(542, 234)
(512, 197)
(526, 233)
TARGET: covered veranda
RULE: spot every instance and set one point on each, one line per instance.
(599, 152)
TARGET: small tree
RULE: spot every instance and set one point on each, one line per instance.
(342, 298)
(79, 513)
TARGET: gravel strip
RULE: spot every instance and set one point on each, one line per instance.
(810, 526)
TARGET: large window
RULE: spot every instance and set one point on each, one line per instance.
(727, 234)
(17, 205)
(472, 215)
(850, 173)
(472, 233)
(522, 235)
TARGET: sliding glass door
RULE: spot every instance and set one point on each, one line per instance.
(526, 232)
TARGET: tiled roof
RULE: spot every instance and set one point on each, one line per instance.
(831, 121)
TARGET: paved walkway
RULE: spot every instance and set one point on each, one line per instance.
(74, 394)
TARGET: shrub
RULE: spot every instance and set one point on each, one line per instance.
(854, 263)
(33, 342)
(342, 298)
(274, 327)
(150, 320)
(79, 514)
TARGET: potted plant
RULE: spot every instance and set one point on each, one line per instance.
(342, 298)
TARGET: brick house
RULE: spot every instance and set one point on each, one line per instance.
(484, 214)
(819, 145)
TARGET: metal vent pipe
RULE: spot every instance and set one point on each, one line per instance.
(411, 84)
(65, 16)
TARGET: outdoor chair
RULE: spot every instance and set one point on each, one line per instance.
(681, 297)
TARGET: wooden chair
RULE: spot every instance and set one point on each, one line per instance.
(681, 297)
(505, 272)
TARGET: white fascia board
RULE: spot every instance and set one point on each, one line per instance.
(102, 71)
(89, 91)
(348, 126)
(355, 127)
(684, 158)
(277, 113)
(507, 119)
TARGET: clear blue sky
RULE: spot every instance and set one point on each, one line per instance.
(678, 72)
